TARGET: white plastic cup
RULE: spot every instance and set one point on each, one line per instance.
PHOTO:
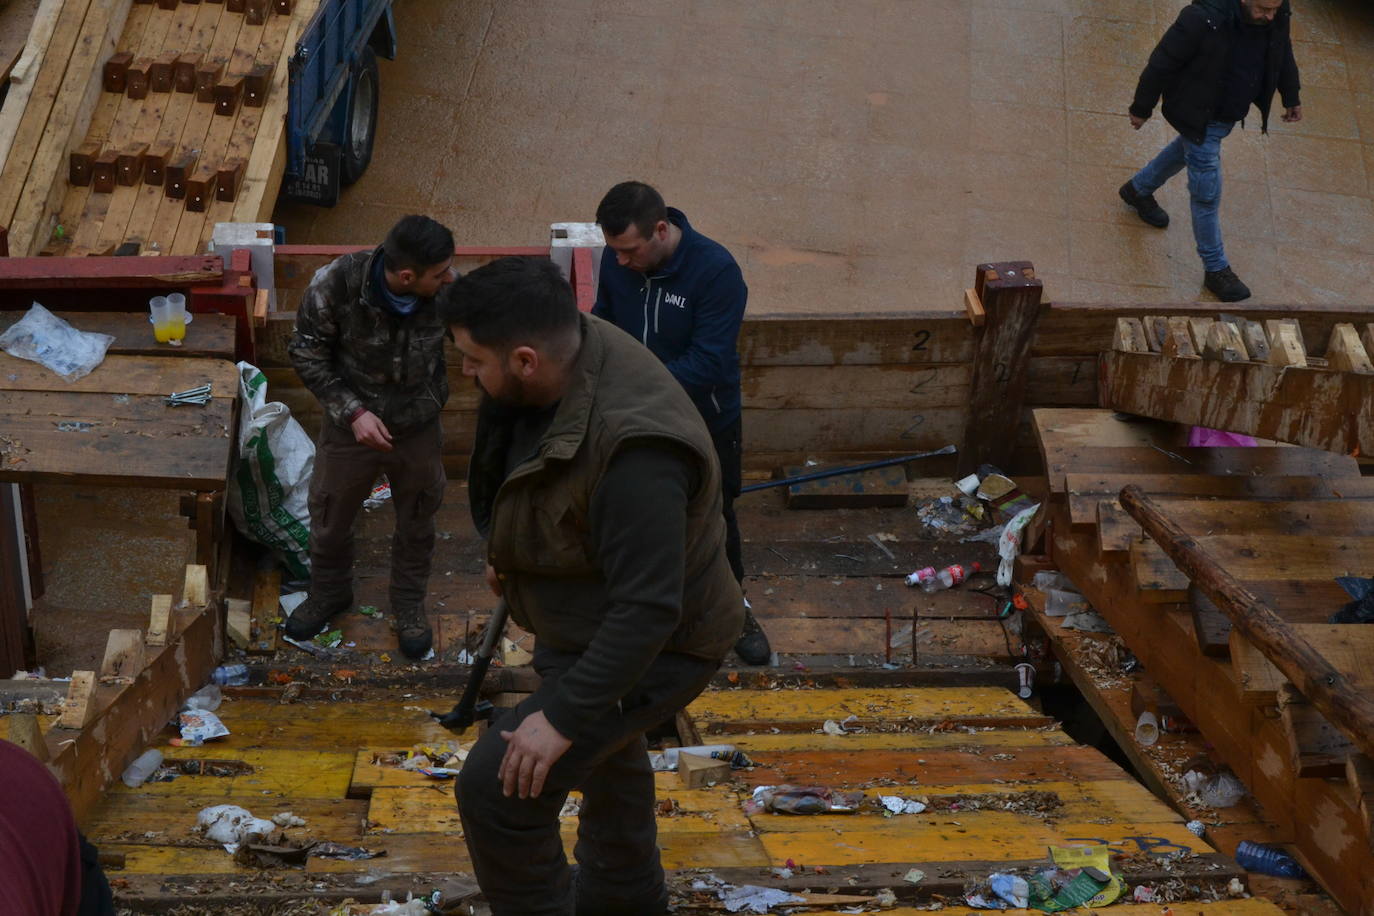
(1146, 729)
(169, 318)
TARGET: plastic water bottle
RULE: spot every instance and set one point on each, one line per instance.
(920, 576)
(144, 766)
(949, 577)
(230, 675)
(1267, 860)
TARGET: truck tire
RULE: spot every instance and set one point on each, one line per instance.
(361, 128)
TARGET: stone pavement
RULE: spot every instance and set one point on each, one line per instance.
(863, 155)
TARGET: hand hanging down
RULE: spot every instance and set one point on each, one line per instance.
(369, 430)
(531, 750)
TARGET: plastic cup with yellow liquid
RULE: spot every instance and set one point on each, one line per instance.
(169, 318)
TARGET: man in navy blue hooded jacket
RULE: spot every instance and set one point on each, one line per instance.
(682, 296)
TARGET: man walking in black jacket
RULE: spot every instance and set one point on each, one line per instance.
(1216, 60)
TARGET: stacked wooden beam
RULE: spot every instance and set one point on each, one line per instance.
(1238, 375)
(169, 148)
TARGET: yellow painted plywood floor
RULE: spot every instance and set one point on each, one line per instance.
(987, 807)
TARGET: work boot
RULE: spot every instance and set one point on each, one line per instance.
(604, 906)
(1225, 285)
(752, 646)
(413, 632)
(311, 615)
(1145, 206)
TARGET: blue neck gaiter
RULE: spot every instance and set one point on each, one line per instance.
(396, 305)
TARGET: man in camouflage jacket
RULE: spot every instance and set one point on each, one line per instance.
(369, 344)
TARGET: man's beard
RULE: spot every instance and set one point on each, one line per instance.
(511, 396)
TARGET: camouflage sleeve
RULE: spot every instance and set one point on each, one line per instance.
(314, 344)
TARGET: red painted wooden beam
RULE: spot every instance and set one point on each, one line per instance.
(109, 273)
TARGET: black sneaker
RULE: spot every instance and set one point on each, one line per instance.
(311, 615)
(1145, 206)
(752, 646)
(1225, 285)
(413, 632)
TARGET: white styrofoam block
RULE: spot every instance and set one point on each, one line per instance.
(564, 237)
(258, 238)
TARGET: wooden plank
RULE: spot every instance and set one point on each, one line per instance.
(65, 25)
(148, 208)
(78, 196)
(1347, 647)
(24, 72)
(113, 125)
(266, 611)
(164, 227)
(877, 487)
(1085, 491)
(1345, 352)
(171, 30)
(267, 159)
(1213, 628)
(985, 839)
(1320, 408)
(1317, 749)
(1302, 558)
(1092, 442)
(226, 122)
(67, 438)
(195, 591)
(805, 710)
(25, 731)
(1360, 774)
(133, 375)
(820, 387)
(243, 136)
(1115, 529)
(123, 655)
(79, 708)
(161, 621)
(71, 115)
(1010, 294)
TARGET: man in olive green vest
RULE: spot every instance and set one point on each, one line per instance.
(595, 483)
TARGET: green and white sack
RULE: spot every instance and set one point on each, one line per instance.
(270, 486)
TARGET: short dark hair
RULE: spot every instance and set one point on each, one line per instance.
(416, 243)
(512, 302)
(631, 203)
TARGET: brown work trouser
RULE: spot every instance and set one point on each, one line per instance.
(344, 474)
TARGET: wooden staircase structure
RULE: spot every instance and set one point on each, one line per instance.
(1285, 522)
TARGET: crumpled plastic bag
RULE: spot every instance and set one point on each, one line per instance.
(42, 337)
(199, 726)
(231, 824)
(1009, 544)
(802, 800)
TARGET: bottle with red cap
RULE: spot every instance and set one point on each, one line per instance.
(949, 577)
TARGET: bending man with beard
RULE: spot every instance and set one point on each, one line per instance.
(594, 481)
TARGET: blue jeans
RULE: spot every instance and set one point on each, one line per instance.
(1203, 161)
